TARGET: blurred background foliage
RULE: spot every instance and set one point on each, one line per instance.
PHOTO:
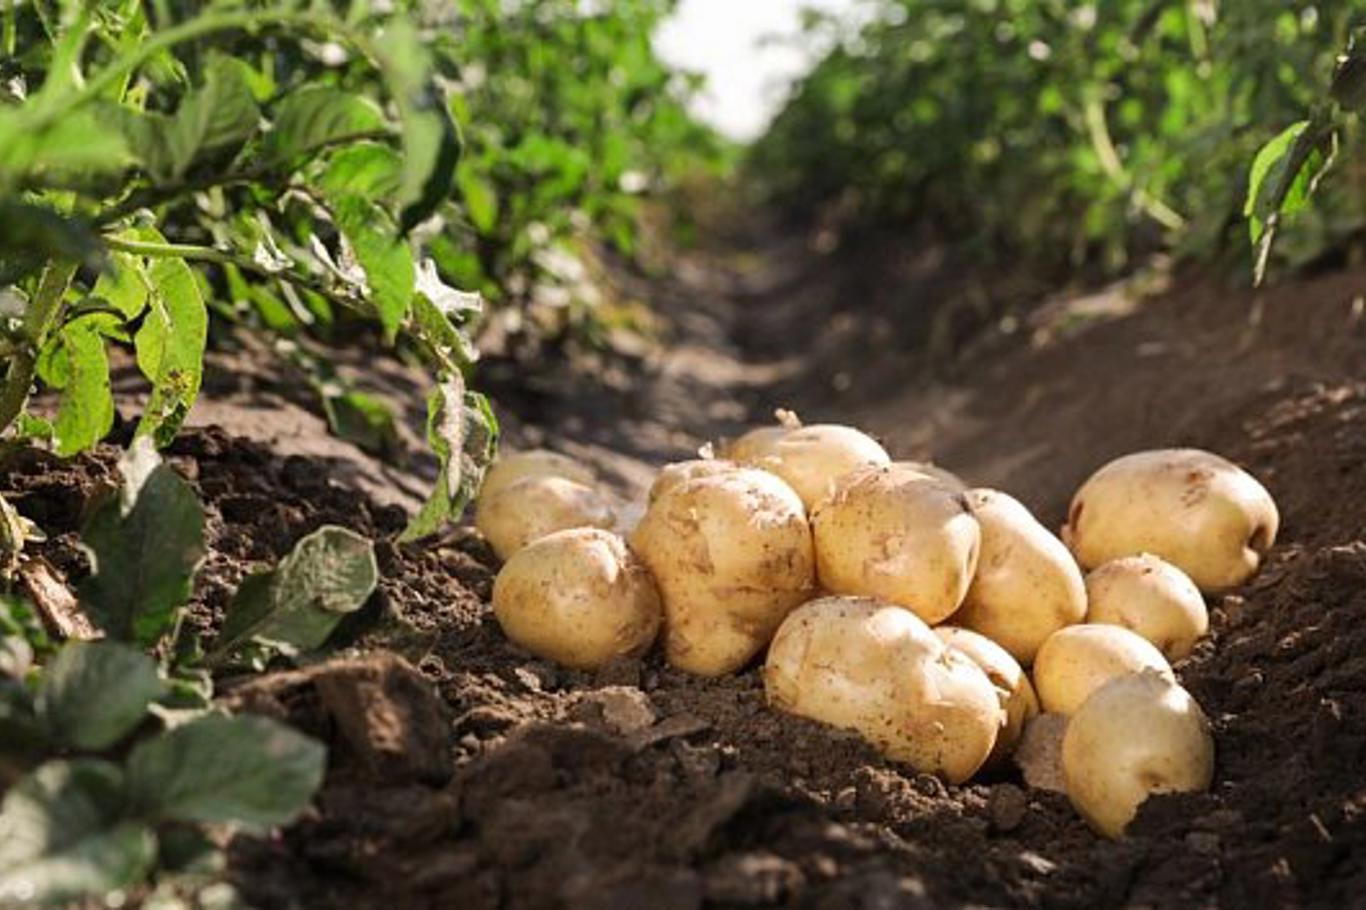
(1072, 135)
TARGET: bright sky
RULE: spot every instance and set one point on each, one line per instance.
(721, 38)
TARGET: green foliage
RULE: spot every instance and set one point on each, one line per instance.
(1068, 133)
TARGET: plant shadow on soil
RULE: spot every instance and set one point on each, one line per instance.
(466, 774)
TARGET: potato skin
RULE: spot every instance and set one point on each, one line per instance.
(1137, 735)
(890, 532)
(753, 444)
(1198, 511)
(876, 668)
(1150, 596)
(732, 556)
(812, 458)
(1007, 677)
(579, 598)
(1078, 660)
(1027, 584)
(513, 466)
(934, 471)
(671, 475)
(536, 505)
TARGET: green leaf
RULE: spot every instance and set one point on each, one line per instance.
(170, 347)
(481, 199)
(368, 170)
(384, 256)
(62, 834)
(316, 115)
(431, 140)
(94, 693)
(80, 144)
(438, 312)
(85, 414)
(246, 770)
(35, 234)
(144, 547)
(123, 285)
(1284, 175)
(360, 418)
(463, 432)
(329, 574)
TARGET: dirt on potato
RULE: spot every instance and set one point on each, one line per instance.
(466, 774)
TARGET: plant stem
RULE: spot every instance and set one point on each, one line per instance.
(1105, 149)
(44, 312)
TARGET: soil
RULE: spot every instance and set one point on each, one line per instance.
(466, 774)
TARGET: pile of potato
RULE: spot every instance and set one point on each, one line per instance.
(937, 621)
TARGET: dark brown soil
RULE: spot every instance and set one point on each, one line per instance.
(465, 774)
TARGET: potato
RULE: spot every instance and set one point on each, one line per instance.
(874, 667)
(890, 532)
(932, 470)
(513, 466)
(671, 475)
(1027, 585)
(579, 598)
(1136, 735)
(1200, 512)
(732, 556)
(1077, 660)
(754, 444)
(1012, 685)
(536, 505)
(812, 458)
(1149, 596)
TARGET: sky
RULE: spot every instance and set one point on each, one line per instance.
(721, 38)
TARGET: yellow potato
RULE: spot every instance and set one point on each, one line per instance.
(1027, 585)
(1149, 596)
(579, 598)
(812, 458)
(1137, 735)
(1077, 660)
(671, 475)
(1011, 684)
(754, 444)
(875, 668)
(1200, 512)
(889, 532)
(946, 477)
(513, 466)
(732, 556)
(536, 505)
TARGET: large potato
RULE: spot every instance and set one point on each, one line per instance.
(1200, 512)
(1011, 684)
(811, 459)
(892, 533)
(536, 505)
(578, 597)
(1137, 735)
(1078, 660)
(1149, 596)
(1027, 584)
(671, 475)
(875, 668)
(732, 556)
(513, 466)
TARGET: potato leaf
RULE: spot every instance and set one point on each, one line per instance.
(383, 255)
(144, 547)
(94, 693)
(315, 116)
(170, 347)
(62, 835)
(246, 770)
(463, 431)
(1284, 175)
(329, 574)
(85, 413)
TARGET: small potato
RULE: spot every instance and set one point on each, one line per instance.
(890, 532)
(579, 598)
(1027, 585)
(1078, 660)
(946, 477)
(812, 458)
(1149, 596)
(1011, 684)
(732, 556)
(513, 466)
(1200, 512)
(1136, 735)
(536, 505)
(875, 668)
(671, 475)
